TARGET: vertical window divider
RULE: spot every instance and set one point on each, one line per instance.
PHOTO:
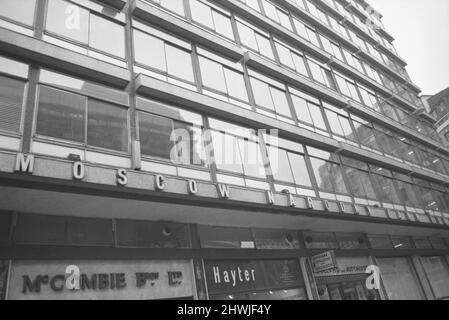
(39, 18)
(30, 108)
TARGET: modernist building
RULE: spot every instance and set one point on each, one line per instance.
(438, 105)
(94, 175)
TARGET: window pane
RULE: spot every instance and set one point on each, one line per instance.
(68, 20)
(280, 102)
(285, 55)
(399, 278)
(227, 153)
(51, 230)
(323, 178)
(19, 10)
(262, 95)
(281, 169)
(223, 25)
(212, 74)
(107, 126)
(302, 111)
(300, 64)
(176, 6)
(300, 171)
(264, 46)
(11, 101)
(149, 50)
(155, 135)
(107, 36)
(61, 114)
(252, 158)
(201, 13)
(317, 116)
(83, 231)
(179, 63)
(236, 84)
(247, 36)
(438, 274)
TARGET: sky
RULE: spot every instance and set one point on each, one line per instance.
(421, 32)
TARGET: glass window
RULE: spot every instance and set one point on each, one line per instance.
(213, 19)
(61, 114)
(179, 63)
(149, 50)
(68, 20)
(400, 280)
(219, 77)
(18, 10)
(437, 272)
(270, 97)
(176, 6)
(351, 241)
(323, 176)
(309, 113)
(11, 101)
(276, 239)
(107, 126)
(289, 167)
(178, 139)
(254, 40)
(315, 240)
(107, 36)
(386, 189)
(360, 183)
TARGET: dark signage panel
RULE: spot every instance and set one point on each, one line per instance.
(240, 276)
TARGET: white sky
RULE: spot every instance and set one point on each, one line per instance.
(421, 32)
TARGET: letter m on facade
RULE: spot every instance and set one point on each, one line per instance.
(24, 163)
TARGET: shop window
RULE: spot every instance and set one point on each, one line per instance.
(255, 39)
(400, 279)
(220, 237)
(5, 226)
(163, 54)
(56, 230)
(12, 93)
(276, 239)
(21, 11)
(89, 30)
(222, 76)
(170, 133)
(261, 279)
(212, 17)
(437, 272)
(62, 115)
(146, 234)
(314, 240)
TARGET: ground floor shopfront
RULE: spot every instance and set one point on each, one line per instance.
(143, 259)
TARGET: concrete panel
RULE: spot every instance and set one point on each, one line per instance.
(46, 54)
(7, 162)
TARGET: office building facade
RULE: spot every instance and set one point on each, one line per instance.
(438, 105)
(228, 149)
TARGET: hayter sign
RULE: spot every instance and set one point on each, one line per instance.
(104, 280)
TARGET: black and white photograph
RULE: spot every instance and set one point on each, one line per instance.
(224, 155)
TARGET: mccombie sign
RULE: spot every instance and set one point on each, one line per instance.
(141, 280)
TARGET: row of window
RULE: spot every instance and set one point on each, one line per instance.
(89, 115)
(259, 41)
(172, 60)
(133, 233)
(83, 29)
